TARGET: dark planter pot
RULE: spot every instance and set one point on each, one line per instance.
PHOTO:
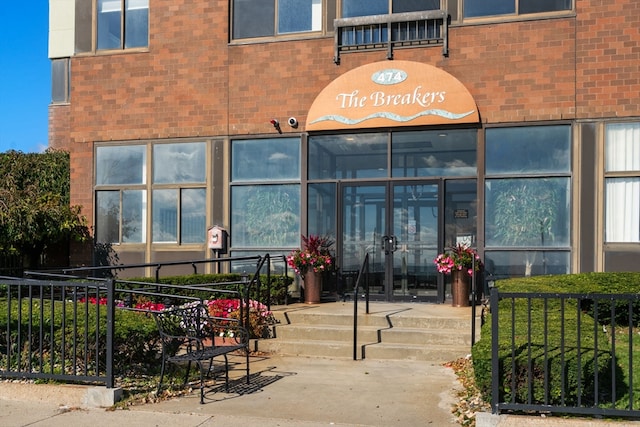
(460, 288)
(312, 287)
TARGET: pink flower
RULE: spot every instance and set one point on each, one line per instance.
(460, 257)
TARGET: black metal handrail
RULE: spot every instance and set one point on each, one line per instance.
(363, 274)
(39, 296)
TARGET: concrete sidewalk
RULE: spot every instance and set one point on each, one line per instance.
(284, 391)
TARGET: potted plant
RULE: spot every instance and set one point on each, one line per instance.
(310, 263)
(461, 262)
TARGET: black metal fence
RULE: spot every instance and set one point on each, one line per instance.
(565, 353)
(61, 327)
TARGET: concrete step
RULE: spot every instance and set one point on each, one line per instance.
(429, 353)
(389, 331)
(317, 332)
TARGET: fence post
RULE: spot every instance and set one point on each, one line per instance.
(111, 307)
(495, 363)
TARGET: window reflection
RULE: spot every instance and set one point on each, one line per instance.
(434, 153)
(528, 149)
(134, 213)
(177, 163)
(265, 159)
(348, 156)
(265, 215)
(108, 216)
(120, 165)
(193, 215)
(505, 264)
(165, 216)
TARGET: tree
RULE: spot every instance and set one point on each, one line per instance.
(35, 210)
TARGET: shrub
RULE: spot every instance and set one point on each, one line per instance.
(135, 341)
(567, 364)
(580, 360)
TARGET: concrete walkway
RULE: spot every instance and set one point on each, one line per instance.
(284, 391)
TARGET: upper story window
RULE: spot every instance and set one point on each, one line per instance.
(478, 8)
(266, 18)
(353, 8)
(111, 25)
(60, 75)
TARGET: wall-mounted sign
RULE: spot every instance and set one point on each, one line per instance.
(392, 93)
(461, 214)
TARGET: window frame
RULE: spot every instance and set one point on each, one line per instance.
(625, 174)
(149, 187)
(327, 14)
(458, 14)
(531, 253)
(251, 185)
(87, 31)
(60, 78)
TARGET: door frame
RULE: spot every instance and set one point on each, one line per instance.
(388, 273)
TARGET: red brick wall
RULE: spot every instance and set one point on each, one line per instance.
(608, 58)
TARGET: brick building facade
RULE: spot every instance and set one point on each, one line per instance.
(562, 78)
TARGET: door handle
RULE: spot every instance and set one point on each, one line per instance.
(389, 244)
(393, 241)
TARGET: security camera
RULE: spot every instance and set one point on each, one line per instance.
(293, 122)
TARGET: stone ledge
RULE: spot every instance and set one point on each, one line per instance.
(61, 394)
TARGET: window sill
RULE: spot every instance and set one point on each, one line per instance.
(281, 38)
(112, 52)
(501, 19)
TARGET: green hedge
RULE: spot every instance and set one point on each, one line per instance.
(136, 336)
(583, 354)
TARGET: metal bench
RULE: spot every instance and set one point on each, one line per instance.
(188, 334)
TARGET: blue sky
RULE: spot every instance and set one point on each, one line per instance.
(25, 76)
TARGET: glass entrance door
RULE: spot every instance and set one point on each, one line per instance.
(414, 226)
(397, 225)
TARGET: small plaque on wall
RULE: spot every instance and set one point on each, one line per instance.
(461, 214)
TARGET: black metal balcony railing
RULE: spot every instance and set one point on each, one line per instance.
(379, 32)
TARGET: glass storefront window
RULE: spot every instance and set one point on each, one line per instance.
(622, 147)
(505, 264)
(434, 153)
(348, 156)
(528, 200)
(179, 163)
(524, 212)
(165, 216)
(126, 218)
(188, 206)
(134, 214)
(265, 216)
(460, 212)
(108, 216)
(528, 149)
(193, 227)
(622, 193)
(321, 209)
(116, 165)
(265, 159)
